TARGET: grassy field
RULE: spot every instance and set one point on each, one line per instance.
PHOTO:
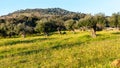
(61, 51)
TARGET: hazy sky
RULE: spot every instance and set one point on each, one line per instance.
(85, 6)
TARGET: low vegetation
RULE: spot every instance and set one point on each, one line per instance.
(78, 50)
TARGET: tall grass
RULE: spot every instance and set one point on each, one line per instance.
(61, 51)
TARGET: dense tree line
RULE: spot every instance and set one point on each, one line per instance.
(22, 25)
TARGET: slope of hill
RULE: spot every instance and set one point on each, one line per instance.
(40, 12)
(51, 11)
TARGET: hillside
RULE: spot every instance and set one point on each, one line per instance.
(70, 51)
(40, 12)
(50, 11)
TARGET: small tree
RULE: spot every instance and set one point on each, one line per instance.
(60, 25)
(70, 25)
(93, 22)
(89, 22)
(44, 26)
(115, 20)
(10, 29)
(82, 24)
(101, 21)
(3, 30)
(20, 29)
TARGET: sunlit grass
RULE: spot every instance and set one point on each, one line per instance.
(77, 50)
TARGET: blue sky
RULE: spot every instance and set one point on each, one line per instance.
(85, 6)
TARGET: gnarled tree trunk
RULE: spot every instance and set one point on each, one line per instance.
(93, 30)
(46, 34)
(59, 30)
(23, 34)
(93, 33)
(73, 31)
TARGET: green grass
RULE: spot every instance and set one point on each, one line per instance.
(61, 51)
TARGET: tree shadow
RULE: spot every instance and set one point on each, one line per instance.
(11, 42)
(99, 35)
(57, 46)
(116, 33)
(36, 51)
(60, 46)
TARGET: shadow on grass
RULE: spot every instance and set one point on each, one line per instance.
(57, 46)
(99, 35)
(60, 46)
(27, 52)
(42, 50)
(13, 42)
(116, 33)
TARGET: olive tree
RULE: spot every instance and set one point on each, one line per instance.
(70, 25)
(89, 22)
(101, 21)
(23, 29)
(10, 29)
(3, 30)
(115, 20)
(60, 25)
(45, 26)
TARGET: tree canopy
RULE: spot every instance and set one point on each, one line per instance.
(32, 21)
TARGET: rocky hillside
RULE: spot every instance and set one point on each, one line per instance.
(39, 12)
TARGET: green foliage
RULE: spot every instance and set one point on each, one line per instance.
(22, 28)
(32, 21)
(97, 21)
(70, 24)
(88, 21)
(45, 26)
(100, 18)
(115, 20)
(101, 21)
(3, 30)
